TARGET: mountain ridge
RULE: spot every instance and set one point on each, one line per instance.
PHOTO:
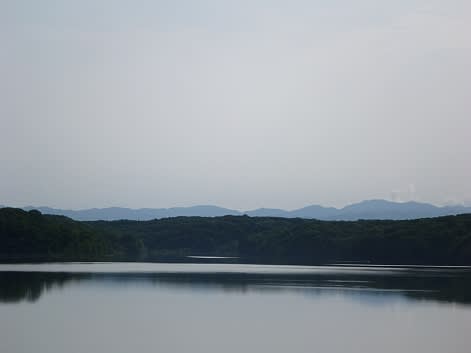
(367, 209)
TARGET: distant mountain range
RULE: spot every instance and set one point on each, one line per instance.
(370, 209)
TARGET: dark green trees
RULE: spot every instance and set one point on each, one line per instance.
(33, 236)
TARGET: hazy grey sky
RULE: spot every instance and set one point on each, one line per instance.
(237, 103)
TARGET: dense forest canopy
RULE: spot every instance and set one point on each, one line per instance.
(34, 236)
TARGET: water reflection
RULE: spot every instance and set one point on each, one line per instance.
(440, 285)
(30, 286)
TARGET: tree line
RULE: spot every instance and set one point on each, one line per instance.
(34, 236)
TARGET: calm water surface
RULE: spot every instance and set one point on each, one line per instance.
(138, 307)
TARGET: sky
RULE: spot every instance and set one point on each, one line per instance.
(241, 104)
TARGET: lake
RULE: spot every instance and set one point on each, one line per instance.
(144, 307)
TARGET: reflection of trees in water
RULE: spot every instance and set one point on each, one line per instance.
(443, 286)
(453, 286)
(29, 286)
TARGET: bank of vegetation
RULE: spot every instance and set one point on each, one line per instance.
(34, 236)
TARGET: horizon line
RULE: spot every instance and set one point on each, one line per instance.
(242, 210)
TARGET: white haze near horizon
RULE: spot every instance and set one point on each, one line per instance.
(242, 104)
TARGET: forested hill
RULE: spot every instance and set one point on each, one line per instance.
(33, 236)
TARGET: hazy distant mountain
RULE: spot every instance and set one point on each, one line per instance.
(374, 209)
(315, 211)
(116, 213)
(382, 209)
(370, 209)
(268, 212)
